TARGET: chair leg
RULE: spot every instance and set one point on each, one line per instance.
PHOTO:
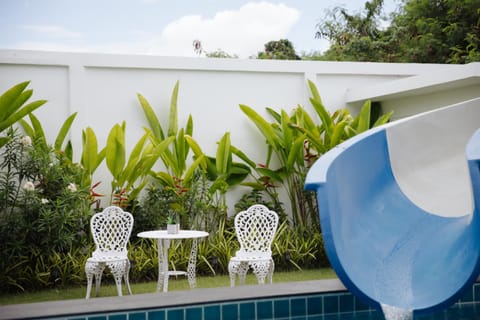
(232, 271)
(127, 282)
(93, 270)
(242, 272)
(118, 270)
(89, 271)
(100, 266)
(261, 270)
(271, 269)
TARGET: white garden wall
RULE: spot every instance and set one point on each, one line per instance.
(103, 90)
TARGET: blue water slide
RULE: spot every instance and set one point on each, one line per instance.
(398, 209)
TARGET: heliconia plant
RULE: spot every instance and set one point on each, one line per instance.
(129, 176)
(175, 157)
(298, 140)
(91, 158)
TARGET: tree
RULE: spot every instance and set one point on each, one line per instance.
(219, 53)
(354, 37)
(441, 31)
(279, 50)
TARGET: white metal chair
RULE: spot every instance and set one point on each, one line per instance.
(111, 231)
(255, 228)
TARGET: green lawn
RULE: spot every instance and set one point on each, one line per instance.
(179, 283)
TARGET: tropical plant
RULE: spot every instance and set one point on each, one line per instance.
(185, 180)
(130, 177)
(292, 138)
(13, 107)
(221, 170)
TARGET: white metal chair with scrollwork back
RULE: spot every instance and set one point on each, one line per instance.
(255, 228)
(111, 230)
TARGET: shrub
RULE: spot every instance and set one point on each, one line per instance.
(43, 211)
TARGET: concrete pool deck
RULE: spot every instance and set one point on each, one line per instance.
(168, 299)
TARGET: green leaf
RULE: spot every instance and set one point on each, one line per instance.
(165, 178)
(242, 156)
(296, 154)
(364, 117)
(324, 116)
(314, 90)
(383, 119)
(115, 150)
(90, 150)
(27, 128)
(152, 119)
(38, 129)
(274, 175)
(173, 118)
(13, 118)
(187, 177)
(4, 141)
(62, 133)
(224, 155)
(238, 173)
(197, 151)
(265, 128)
(338, 132)
(8, 100)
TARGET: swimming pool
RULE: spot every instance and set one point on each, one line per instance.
(311, 300)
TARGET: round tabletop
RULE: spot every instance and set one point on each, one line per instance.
(182, 234)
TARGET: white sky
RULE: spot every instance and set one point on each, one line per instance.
(165, 27)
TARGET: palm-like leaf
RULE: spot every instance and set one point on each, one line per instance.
(13, 108)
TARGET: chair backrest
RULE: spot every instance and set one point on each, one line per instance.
(111, 231)
(255, 229)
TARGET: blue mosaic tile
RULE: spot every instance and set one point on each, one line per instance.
(229, 311)
(97, 318)
(346, 303)
(137, 316)
(467, 296)
(156, 315)
(476, 292)
(175, 314)
(281, 308)
(211, 312)
(247, 310)
(265, 309)
(314, 305)
(298, 306)
(330, 304)
(360, 305)
(122, 316)
(193, 313)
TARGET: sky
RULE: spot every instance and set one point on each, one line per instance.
(166, 28)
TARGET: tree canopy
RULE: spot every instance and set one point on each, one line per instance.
(279, 50)
(433, 31)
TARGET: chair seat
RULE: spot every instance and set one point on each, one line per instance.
(106, 258)
(250, 258)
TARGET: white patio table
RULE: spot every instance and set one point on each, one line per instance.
(164, 239)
